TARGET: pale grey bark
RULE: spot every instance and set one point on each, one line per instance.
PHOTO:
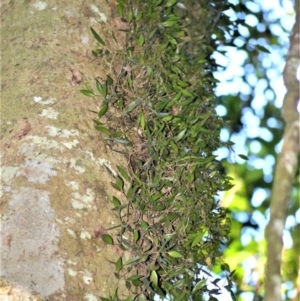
(55, 183)
(286, 168)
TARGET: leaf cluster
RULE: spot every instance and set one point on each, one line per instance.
(159, 112)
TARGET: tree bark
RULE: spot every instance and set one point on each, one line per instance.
(286, 167)
(56, 171)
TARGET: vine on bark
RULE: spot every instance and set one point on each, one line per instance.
(159, 112)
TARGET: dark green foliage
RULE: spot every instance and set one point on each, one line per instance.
(160, 113)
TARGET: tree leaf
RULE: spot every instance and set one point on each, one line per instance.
(262, 49)
(243, 157)
(97, 37)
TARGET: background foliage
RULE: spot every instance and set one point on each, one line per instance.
(252, 111)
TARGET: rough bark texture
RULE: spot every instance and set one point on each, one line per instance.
(285, 169)
(56, 171)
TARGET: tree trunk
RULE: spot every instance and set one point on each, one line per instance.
(56, 171)
(286, 167)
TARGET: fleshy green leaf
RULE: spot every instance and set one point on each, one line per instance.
(108, 239)
(167, 118)
(169, 23)
(109, 80)
(197, 239)
(103, 110)
(142, 120)
(102, 88)
(182, 83)
(120, 9)
(130, 298)
(137, 283)
(130, 15)
(158, 207)
(262, 49)
(144, 225)
(141, 40)
(117, 134)
(102, 129)
(123, 173)
(154, 278)
(97, 37)
(136, 235)
(175, 254)
(199, 285)
(171, 3)
(119, 264)
(132, 106)
(142, 297)
(138, 16)
(116, 202)
(87, 93)
(180, 135)
(121, 141)
(225, 267)
(174, 146)
(119, 183)
(132, 260)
